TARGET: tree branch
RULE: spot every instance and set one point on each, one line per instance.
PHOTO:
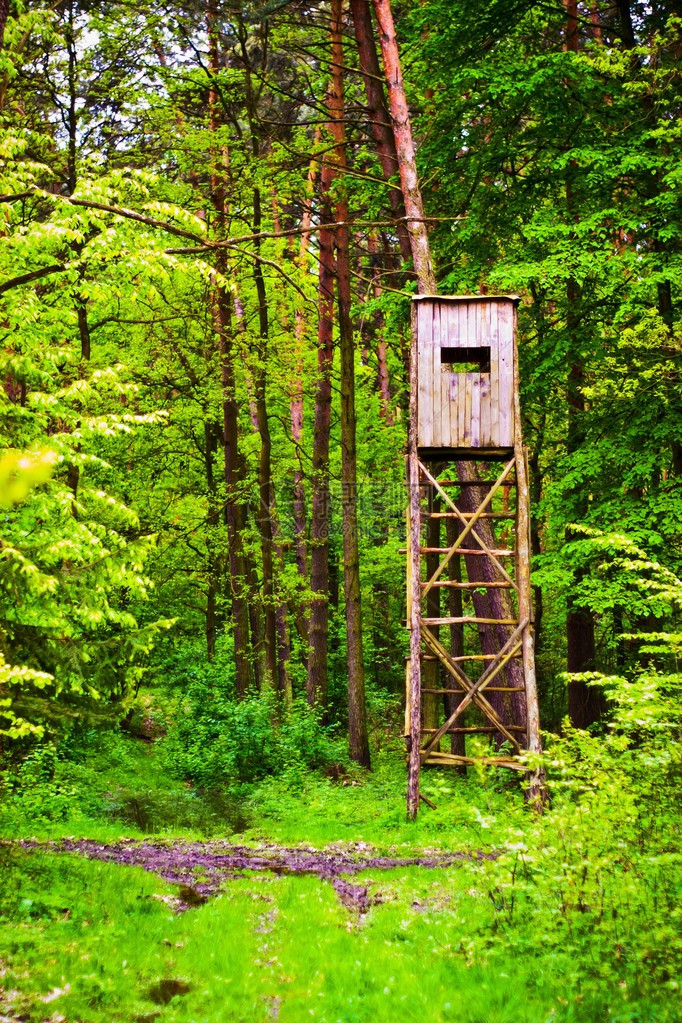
(33, 275)
(312, 229)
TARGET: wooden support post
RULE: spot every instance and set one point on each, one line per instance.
(414, 595)
(523, 555)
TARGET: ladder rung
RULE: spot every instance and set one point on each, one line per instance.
(467, 515)
(470, 621)
(473, 483)
(469, 586)
(452, 758)
(504, 689)
(467, 657)
(462, 550)
(473, 728)
(486, 689)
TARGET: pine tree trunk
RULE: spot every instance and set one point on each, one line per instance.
(357, 714)
(265, 489)
(320, 511)
(264, 514)
(498, 603)
(296, 403)
(221, 307)
(234, 508)
(383, 378)
(212, 522)
(584, 702)
(379, 121)
(405, 153)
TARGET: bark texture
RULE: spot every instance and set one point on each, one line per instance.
(221, 311)
(357, 714)
(584, 702)
(378, 112)
(320, 511)
(405, 153)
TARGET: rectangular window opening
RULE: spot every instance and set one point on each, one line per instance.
(465, 360)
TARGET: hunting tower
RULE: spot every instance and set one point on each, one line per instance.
(471, 670)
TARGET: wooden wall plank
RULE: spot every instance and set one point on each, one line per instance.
(458, 342)
(475, 313)
(445, 376)
(513, 356)
(506, 374)
(451, 339)
(484, 397)
(450, 383)
(455, 391)
(494, 376)
(437, 389)
(425, 373)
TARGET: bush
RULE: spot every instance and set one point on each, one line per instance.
(36, 791)
(216, 739)
(598, 874)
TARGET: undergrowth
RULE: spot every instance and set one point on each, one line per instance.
(572, 915)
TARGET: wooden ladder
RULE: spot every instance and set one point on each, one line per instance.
(461, 678)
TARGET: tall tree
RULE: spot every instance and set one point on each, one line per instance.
(357, 715)
(495, 603)
(320, 505)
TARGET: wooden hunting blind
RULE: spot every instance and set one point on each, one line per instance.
(471, 669)
(465, 372)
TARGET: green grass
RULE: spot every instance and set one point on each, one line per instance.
(97, 941)
(371, 808)
(575, 922)
(120, 788)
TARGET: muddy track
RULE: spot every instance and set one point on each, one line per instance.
(201, 869)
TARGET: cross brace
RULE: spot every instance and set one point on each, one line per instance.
(439, 641)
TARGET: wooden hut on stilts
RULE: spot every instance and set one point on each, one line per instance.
(471, 669)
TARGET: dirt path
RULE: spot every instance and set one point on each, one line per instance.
(200, 869)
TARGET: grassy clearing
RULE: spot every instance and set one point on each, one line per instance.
(118, 787)
(91, 942)
(371, 809)
(578, 920)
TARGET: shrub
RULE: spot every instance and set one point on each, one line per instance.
(32, 791)
(598, 874)
(216, 739)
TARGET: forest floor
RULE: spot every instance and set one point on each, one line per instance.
(127, 896)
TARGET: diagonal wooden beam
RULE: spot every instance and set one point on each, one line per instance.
(456, 671)
(468, 525)
(467, 685)
(511, 647)
(487, 709)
